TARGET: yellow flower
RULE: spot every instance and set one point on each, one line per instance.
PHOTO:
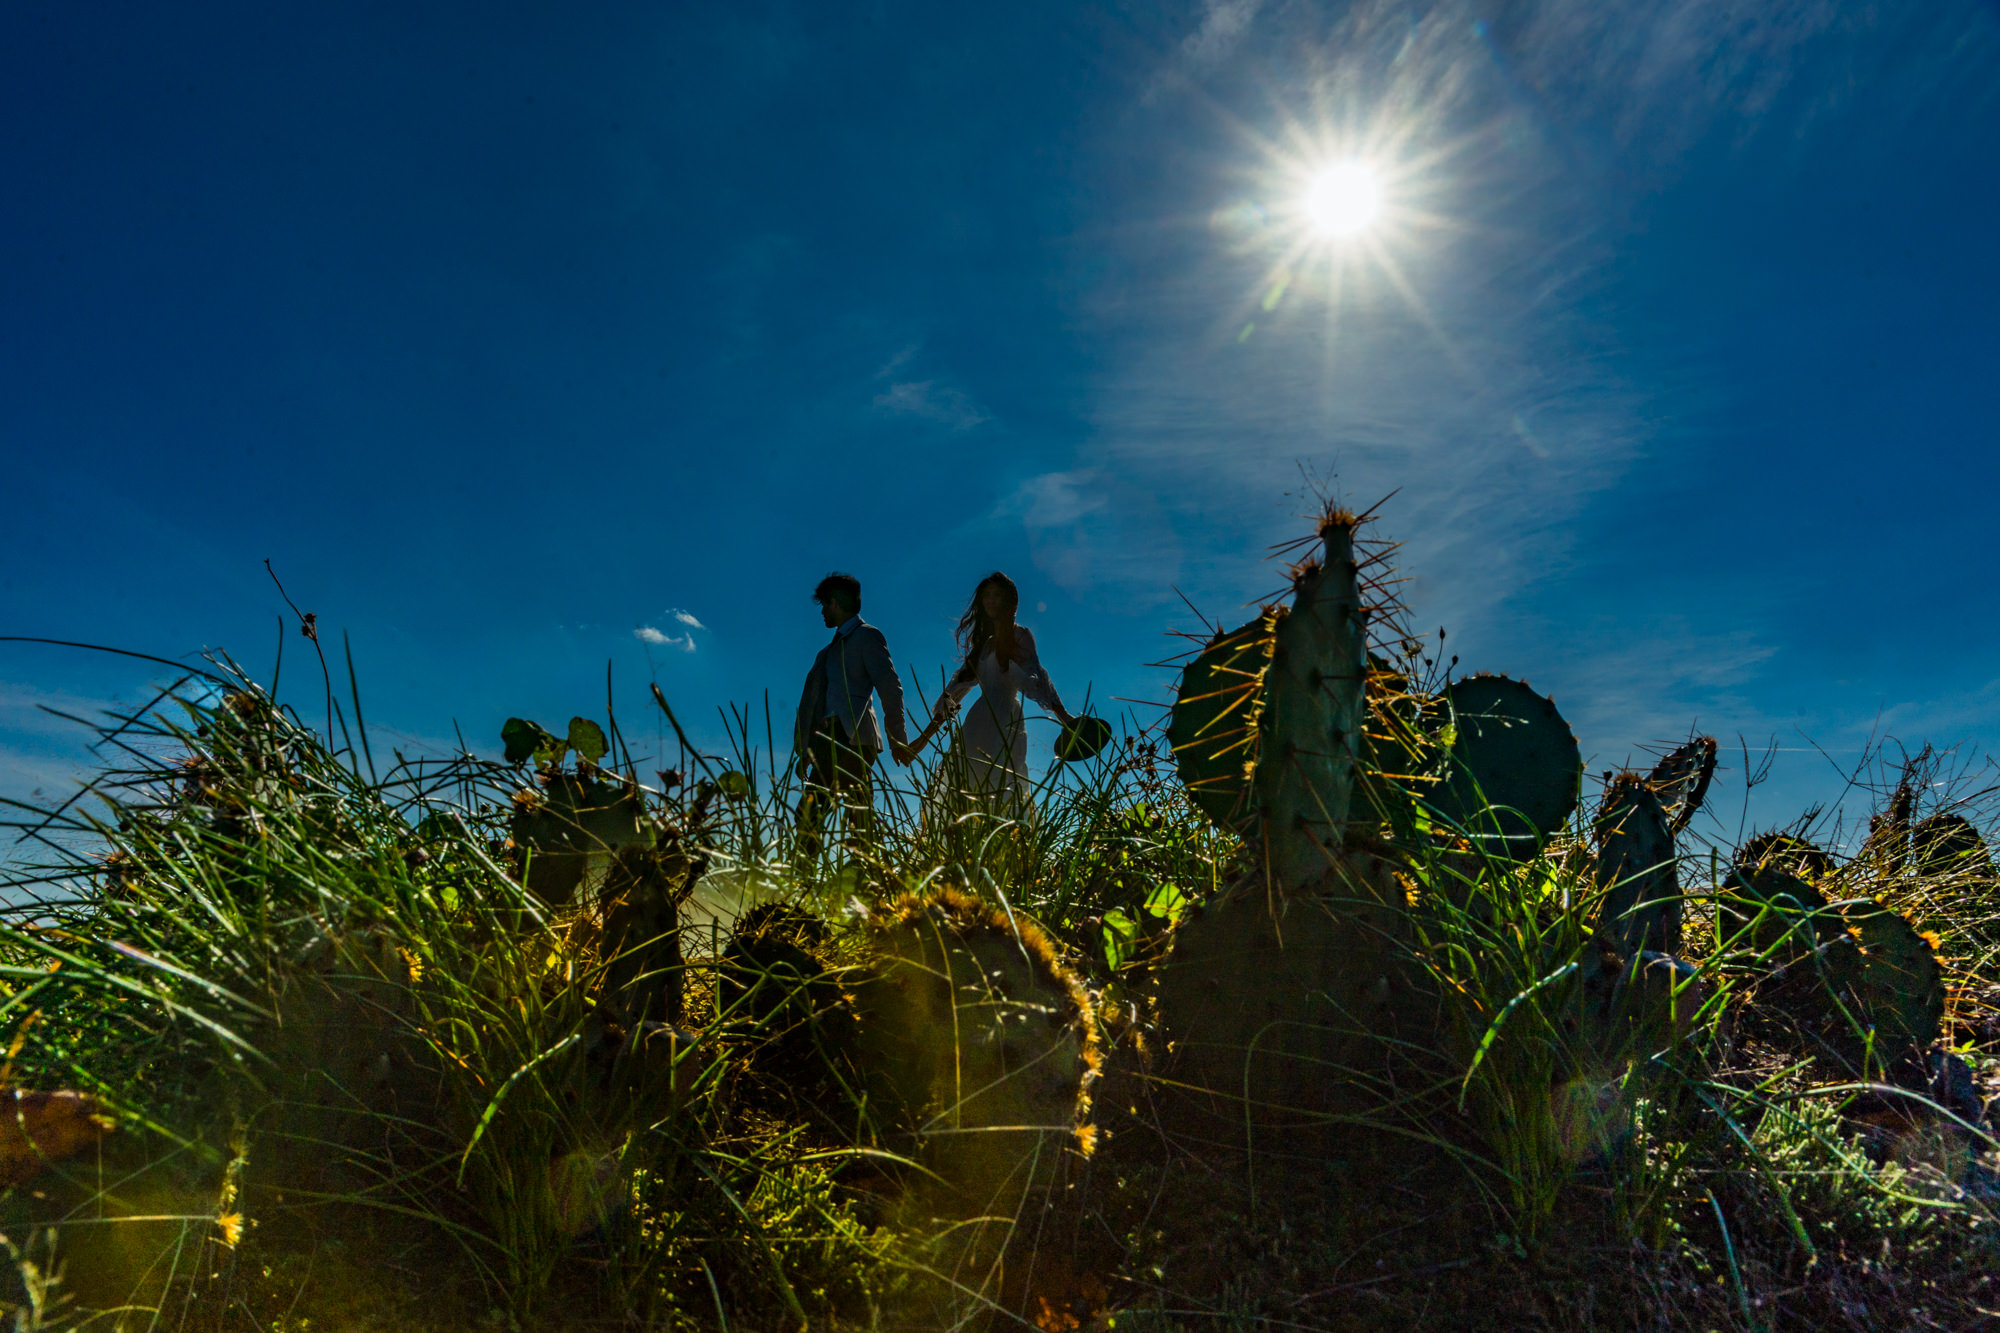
(232, 1228)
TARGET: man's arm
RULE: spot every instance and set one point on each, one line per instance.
(883, 679)
(812, 703)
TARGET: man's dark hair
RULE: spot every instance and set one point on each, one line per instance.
(842, 588)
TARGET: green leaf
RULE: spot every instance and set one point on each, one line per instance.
(1167, 901)
(733, 784)
(525, 739)
(1121, 933)
(587, 739)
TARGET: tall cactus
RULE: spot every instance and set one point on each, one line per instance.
(1310, 730)
(1268, 987)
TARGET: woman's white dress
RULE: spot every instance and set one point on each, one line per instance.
(989, 759)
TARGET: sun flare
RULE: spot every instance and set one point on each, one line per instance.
(1343, 200)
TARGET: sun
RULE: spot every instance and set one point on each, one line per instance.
(1342, 200)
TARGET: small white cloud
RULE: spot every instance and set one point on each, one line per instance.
(686, 618)
(647, 634)
(933, 401)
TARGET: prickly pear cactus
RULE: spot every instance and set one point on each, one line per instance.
(1769, 911)
(768, 963)
(1214, 728)
(1636, 868)
(1310, 733)
(1636, 860)
(1888, 844)
(1842, 967)
(1681, 780)
(1514, 766)
(641, 940)
(1949, 844)
(1271, 998)
(1283, 979)
(571, 829)
(1901, 984)
(975, 1038)
(772, 985)
(1787, 852)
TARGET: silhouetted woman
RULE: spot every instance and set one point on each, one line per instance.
(992, 754)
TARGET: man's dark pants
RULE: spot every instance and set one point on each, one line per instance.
(838, 772)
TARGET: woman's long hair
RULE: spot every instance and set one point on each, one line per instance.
(976, 629)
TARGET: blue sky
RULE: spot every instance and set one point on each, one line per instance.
(507, 332)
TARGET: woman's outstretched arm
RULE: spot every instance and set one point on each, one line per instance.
(1038, 686)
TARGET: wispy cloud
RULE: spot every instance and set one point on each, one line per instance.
(686, 618)
(933, 400)
(1094, 535)
(1220, 28)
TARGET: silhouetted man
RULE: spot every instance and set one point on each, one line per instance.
(837, 736)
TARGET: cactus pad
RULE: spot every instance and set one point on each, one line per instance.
(1901, 982)
(768, 979)
(644, 887)
(1780, 912)
(1514, 765)
(1214, 727)
(1888, 845)
(1786, 852)
(573, 828)
(1949, 844)
(1681, 780)
(1636, 868)
(972, 1033)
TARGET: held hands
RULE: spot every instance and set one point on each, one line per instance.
(907, 754)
